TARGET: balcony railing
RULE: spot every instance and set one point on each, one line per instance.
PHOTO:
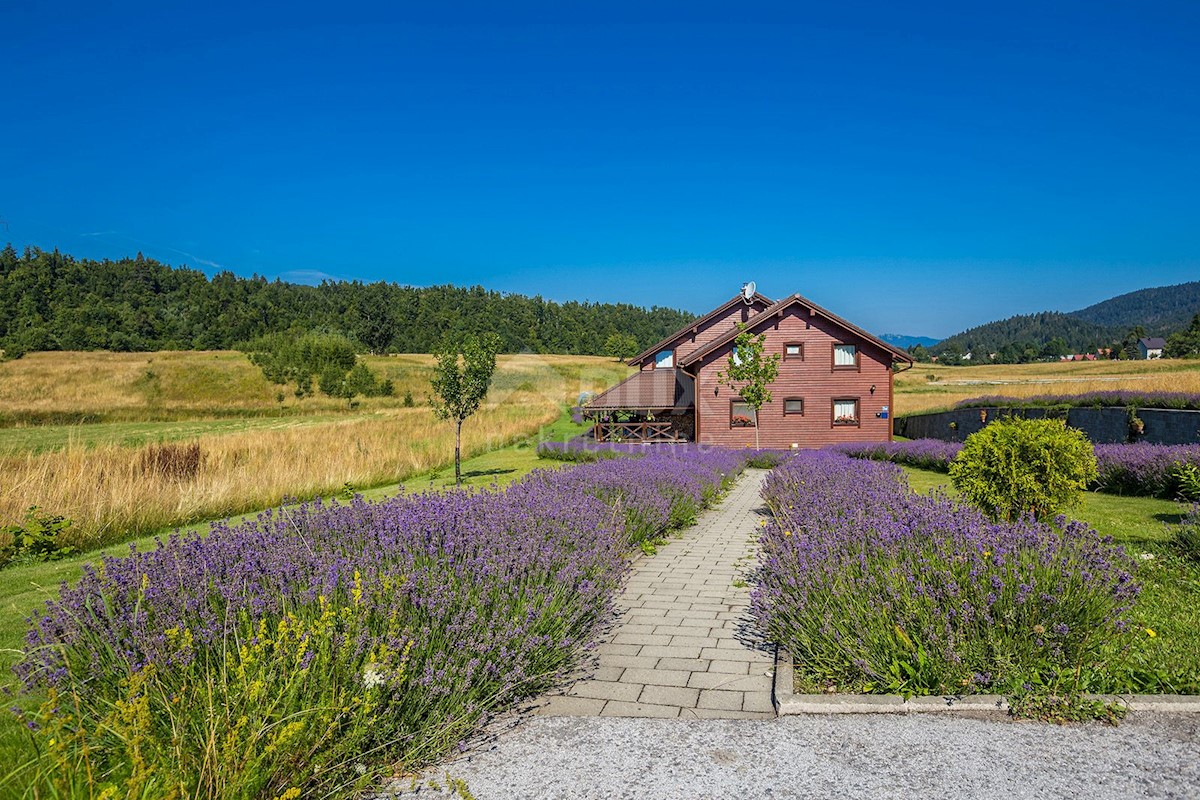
(635, 432)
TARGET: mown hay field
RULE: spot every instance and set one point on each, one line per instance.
(934, 387)
(212, 438)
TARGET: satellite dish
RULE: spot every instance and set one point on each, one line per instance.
(748, 291)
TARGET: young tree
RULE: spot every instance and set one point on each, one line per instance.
(462, 375)
(750, 371)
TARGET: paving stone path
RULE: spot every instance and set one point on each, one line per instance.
(683, 644)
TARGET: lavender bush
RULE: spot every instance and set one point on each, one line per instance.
(583, 450)
(873, 588)
(303, 652)
(931, 454)
(1176, 400)
(1139, 469)
(1150, 469)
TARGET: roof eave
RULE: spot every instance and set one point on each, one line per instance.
(778, 308)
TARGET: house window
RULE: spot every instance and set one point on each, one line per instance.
(793, 351)
(793, 405)
(741, 415)
(845, 411)
(845, 356)
(665, 359)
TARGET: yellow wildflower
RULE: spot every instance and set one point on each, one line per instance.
(1150, 632)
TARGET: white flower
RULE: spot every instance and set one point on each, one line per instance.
(1147, 556)
(373, 676)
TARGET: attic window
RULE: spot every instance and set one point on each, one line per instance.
(793, 351)
(845, 356)
(665, 359)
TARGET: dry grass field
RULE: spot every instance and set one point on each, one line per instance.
(139, 468)
(932, 387)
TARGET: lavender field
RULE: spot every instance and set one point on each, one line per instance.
(1154, 470)
(873, 588)
(1096, 399)
(318, 648)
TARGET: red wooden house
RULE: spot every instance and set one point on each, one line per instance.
(834, 384)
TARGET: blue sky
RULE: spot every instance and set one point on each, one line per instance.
(918, 171)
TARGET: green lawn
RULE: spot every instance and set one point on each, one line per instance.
(1169, 605)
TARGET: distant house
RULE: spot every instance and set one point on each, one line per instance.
(834, 384)
(1151, 347)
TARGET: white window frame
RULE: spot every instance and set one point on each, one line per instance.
(840, 349)
(853, 403)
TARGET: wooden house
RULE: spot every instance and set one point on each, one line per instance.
(1151, 347)
(834, 385)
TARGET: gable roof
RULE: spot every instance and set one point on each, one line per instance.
(1153, 343)
(649, 390)
(777, 309)
(716, 312)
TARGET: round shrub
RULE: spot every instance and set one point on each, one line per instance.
(1016, 466)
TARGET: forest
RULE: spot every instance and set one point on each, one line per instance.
(53, 301)
(1116, 324)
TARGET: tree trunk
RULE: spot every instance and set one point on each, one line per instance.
(756, 447)
(458, 453)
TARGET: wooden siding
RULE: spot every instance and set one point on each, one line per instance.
(709, 330)
(812, 379)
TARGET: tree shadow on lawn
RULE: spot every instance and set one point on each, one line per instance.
(1170, 519)
(482, 473)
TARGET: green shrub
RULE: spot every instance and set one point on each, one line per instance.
(1016, 466)
(1185, 541)
(34, 541)
(1187, 477)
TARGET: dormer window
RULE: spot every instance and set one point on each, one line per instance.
(665, 359)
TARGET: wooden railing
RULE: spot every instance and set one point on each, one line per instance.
(634, 432)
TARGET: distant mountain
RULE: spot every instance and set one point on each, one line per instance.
(1160, 310)
(904, 341)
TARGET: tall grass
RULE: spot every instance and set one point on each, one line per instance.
(179, 473)
(112, 492)
(80, 388)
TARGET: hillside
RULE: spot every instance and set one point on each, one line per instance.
(51, 301)
(1038, 329)
(1160, 310)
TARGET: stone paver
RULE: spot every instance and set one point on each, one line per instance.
(683, 644)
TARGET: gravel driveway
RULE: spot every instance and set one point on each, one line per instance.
(852, 756)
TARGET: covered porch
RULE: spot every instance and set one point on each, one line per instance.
(654, 405)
